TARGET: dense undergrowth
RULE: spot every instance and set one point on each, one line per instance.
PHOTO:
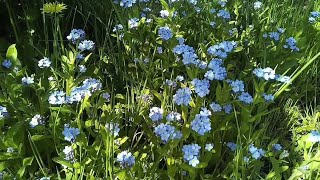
(184, 89)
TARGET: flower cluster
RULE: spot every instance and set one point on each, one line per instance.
(183, 96)
(237, 86)
(113, 128)
(222, 49)
(156, 114)
(217, 71)
(36, 120)
(167, 132)
(201, 123)
(3, 112)
(173, 116)
(88, 87)
(270, 74)
(291, 44)
(209, 146)
(165, 33)
(255, 152)
(201, 87)
(133, 23)
(125, 3)
(76, 35)
(275, 35)
(215, 107)
(191, 154)
(126, 159)
(70, 133)
(314, 136)
(86, 45)
(6, 63)
(246, 98)
(69, 154)
(277, 147)
(232, 146)
(27, 80)
(314, 16)
(257, 5)
(224, 14)
(268, 97)
(44, 62)
(188, 53)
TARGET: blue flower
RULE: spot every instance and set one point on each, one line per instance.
(82, 68)
(167, 132)
(160, 50)
(69, 154)
(27, 80)
(255, 152)
(127, 3)
(173, 116)
(156, 114)
(224, 14)
(44, 62)
(274, 35)
(222, 49)
(70, 133)
(283, 79)
(257, 5)
(232, 146)
(237, 86)
(113, 128)
(277, 147)
(133, 23)
(86, 45)
(88, 87)
(80, 57)
(126, 159)
(246, 159)
(117, 28)
(213, 24)
(201, 123)
(268, 97)
(227, 108)
(191, 154)
(164, 13)
(36, 120)
(218, 73)
(3, 112)
(215, 107)
(314, 16)
(165, 33)
(76, 35)
(57, 97)
(266, 73)
(246, 98)
(202, 64)
(201, 87)
(180, 78)
(183, 96)
(222, 3)
(194, 2)
(209, 146)
(106, 96)
(181, 40)
(6, 63)
(281, 30)
(314, 136)
(291, 43)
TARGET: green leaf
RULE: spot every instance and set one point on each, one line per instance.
(12, 54)
(62, 161)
